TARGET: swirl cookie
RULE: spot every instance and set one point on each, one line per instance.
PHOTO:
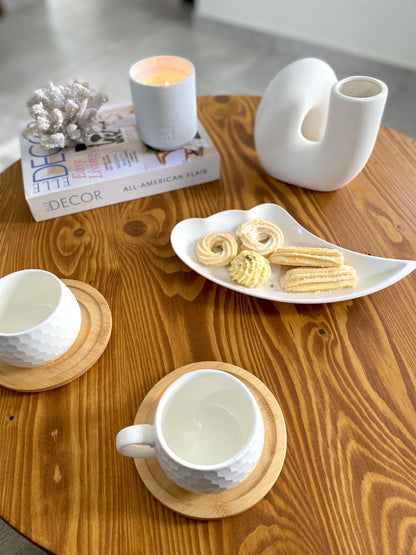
(216, 249)
(250, 269)
(307, 256)
(260, 236)
(318, 279)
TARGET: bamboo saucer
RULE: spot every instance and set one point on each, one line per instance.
(246, 494)
(92, 339)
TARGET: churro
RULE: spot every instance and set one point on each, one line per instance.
(318, 279)
(307, 256)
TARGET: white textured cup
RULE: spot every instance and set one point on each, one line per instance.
(39, 318)
(208, 432)
(166, 115)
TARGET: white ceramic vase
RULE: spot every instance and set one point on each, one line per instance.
(314, 131)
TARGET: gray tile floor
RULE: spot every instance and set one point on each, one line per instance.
(98, 40)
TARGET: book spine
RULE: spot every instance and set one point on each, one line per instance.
(122, 189)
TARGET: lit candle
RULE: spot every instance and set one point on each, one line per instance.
(164, 99)
(166, 78)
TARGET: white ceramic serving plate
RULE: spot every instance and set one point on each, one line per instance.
(373, 273)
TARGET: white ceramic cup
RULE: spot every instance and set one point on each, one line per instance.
(166, 111)
(39, 318)
(207, 435)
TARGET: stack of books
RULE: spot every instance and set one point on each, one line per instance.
(113, 166)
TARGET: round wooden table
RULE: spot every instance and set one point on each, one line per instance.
(344, 374)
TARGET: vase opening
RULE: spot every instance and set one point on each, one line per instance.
(360, 87)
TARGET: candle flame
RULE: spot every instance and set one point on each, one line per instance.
(167, 83)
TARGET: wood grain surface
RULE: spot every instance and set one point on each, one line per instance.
(343, 374)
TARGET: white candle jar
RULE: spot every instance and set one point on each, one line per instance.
(164, 98)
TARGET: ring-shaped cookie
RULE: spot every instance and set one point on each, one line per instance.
(216, 249)
(260, 236)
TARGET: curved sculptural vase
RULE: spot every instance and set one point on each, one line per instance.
(314, 131)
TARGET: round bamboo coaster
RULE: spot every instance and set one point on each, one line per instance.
(92, 339)
(253, 488)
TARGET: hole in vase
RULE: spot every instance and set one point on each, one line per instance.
(360, 87)
(313, 125)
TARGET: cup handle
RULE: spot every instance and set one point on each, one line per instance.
(130, 440)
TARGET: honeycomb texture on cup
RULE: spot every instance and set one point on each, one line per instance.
(47, 341)
(214, 481)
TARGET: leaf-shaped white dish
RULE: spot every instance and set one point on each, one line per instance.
(373, 273)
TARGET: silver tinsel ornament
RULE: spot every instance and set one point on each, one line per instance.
(64, 115)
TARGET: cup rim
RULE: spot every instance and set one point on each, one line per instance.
(45, 320)
(174, 386)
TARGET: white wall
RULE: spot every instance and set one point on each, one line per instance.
(383, 30)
